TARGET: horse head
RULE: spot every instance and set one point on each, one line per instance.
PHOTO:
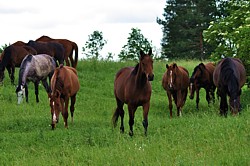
(20, 91)
(146, 64)
(56, 107)
(171, 75)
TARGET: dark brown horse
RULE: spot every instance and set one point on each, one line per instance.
(175, 81)
(229, 77)
(202, 77)
(53, 49)
(132, 87)
(69, 47)
(64, 85)
(12, 57)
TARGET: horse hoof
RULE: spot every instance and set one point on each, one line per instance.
(131, 133)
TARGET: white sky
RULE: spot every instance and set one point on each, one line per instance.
(76, 19)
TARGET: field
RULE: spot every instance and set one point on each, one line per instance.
(199, 137)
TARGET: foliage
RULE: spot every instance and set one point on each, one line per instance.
(199, 137)
(183, 24)
(3, 47)
(94, 45)
(136, 41)
(230, 34)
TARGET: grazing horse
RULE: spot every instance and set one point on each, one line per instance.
(12, 57)
(69, 47)
(53, 49)
(34, 68)
(202, 77)
(64, 85)
(132, 87)
(175, 81)
(229, 77)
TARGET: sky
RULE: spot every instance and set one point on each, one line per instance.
(75, 20)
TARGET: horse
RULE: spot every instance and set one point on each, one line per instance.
(51, 48)
(175, 81)
(202, 77)
(229, 77)
(69, 47)
(64, 85)
(34, 68)
(132, 86)
(12, 57)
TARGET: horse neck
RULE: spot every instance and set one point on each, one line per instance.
(140, 77)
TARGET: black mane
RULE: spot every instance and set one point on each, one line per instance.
(6, 57)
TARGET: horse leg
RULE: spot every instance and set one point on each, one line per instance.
(26, 92)
(72, 106)
(65, 103)
(46, 86)
(67, 60)
(131, 110)
(179, 99)
(197, 98)
(36, 91)
(145, 117)
(170, 105)
(212, 90)
(12, 74)
(223, 105)
(119, 112)
(208, 98)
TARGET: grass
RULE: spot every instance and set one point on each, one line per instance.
(199, 137)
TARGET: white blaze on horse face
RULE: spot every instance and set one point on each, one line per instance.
(20, 95)
(54, 117)
(171, 78)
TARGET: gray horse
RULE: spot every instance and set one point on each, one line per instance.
(34, 68)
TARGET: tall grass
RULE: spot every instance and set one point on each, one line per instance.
(199, 137)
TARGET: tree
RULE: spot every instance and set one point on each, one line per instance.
(183, 24)
(3, 47)
(230, 34)
(136, 42)
(94, 45)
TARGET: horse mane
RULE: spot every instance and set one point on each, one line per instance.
(134, 72)
(58, 84)
(228, 75)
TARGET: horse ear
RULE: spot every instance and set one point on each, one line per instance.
(202, 65)
(167, 66)
(142, 54)
(150, 52)
(174, 65)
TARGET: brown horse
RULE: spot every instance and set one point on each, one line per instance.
(132, 87)
(53, 49)
(229, 77)
(64, 85)
(175, 81)
(12, 57)
(69, 47)
(202, 77)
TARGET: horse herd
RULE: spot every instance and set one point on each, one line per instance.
(42, 59)
(132, 86)
(45, 58)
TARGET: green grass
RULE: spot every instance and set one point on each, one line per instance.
(199, 137)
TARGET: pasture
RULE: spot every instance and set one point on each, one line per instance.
(199, 137)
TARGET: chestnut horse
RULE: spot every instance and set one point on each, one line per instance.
(175, 81)
(69, 47)
(12, 57)
(229, 77)
(132, 87)
(64, 85)
(202, 77)
(53, 49)
(34, 68)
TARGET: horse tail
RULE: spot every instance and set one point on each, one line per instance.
(115, 117)
(75, 47)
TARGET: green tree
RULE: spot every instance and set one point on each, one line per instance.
(136, 42)
(230, 34)
(3, 47)
(183, 24)
(94, 45)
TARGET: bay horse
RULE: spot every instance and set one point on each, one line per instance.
(34, 68)
(12, 57)
(229, 77)
(132, 87)
(202, 77)
(64, 85)
(69, 48)
(51, 48)
(175, 81)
